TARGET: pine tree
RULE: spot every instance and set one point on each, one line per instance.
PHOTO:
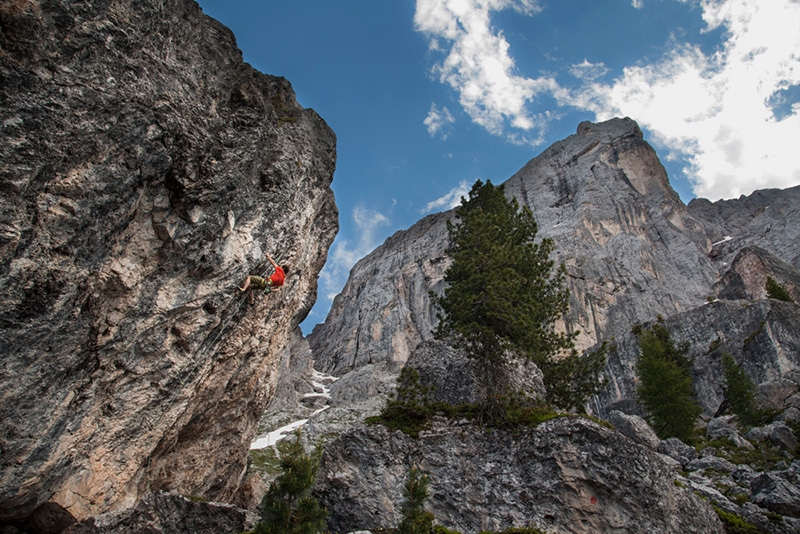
(665, 384)
(505, 295)
(415, 519)
(288, 506)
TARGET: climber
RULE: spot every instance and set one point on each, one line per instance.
(273, 283)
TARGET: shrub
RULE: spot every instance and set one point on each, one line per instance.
(777, 291)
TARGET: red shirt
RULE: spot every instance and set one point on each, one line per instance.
(278, 277)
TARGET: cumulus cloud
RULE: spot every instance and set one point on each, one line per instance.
(733, 115)
(718, 111)
(438, 121)
(451, 199)
(345, 254)
(478, 65)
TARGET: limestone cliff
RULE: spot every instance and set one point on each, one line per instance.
(626, 238)
(145, 171)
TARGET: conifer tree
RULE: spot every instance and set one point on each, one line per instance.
(415, 519)
(665, 384)
(740, 391)
(288, 506)
(505, 294)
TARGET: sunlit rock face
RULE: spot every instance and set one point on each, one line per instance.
(145, 170)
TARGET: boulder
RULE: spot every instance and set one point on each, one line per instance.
(635, 428)
(775, 493)
(725, 428)
(168, 513)
(677, 450)
(566, 475)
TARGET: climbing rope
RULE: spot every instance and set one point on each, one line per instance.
(197, 360)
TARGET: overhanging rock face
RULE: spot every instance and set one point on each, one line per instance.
(146, 170)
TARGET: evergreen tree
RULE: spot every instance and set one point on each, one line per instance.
(740, 391)
(415, 519)
(288, 507)
(665, 384)
(505, 295)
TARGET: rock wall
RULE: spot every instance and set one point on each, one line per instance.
(566, 475)
(146, 170)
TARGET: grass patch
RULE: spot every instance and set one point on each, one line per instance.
(735, 524)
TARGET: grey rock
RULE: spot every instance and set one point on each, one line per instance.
(762, 336)
(145, 170)
(778, 433)
(677, 450)
(711, 462)
(776, 494)
(776, 394)
(725, 428)
(635, 428)
(566, 475)
(747, 276)
(453, 377)
(167, 513)
(766, 218)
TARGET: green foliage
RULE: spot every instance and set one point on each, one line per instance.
(505, 295)
(665, 385)
(740, 392)
(777, 291)
(411, 410)
(571, 380)
(288, 507)
(415, 519)
(735, 524)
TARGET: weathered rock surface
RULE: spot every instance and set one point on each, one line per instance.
(384, 310)
(146, 169)
(762, 336)
(167, 513)
(452, 376)
(567, 475)
(766, 218)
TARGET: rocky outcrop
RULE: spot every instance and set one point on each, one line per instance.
(451, 376)
(766, 218)
(146, 170)
(167, 513)
(566, 475)
(763, 337)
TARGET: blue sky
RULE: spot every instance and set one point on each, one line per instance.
(428, 96)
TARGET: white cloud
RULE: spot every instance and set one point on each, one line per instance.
(637, 4)
(478, 66)
(438, 120)
(588, 71)
(344, 255)
(717, 110)
(451, 199)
